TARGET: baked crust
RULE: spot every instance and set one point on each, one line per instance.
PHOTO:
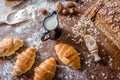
(46, 70)
(24, 61)
(9, 45)
(68, 55)
(107, 18)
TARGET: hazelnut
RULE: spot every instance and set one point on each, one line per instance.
(58, 7)
(65, 12)
(78, 10)
(70, 4)
(72, 10)
(43, 11)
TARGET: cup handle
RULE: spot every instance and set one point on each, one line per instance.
(44, 35)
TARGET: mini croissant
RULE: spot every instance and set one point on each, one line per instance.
(46, 70)
(24, 61)
(68, 55)
(9, 45)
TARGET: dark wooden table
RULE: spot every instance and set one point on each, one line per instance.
(107, 69)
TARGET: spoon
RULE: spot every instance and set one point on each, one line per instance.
(92, 47)
(15, 17)
(11, 3)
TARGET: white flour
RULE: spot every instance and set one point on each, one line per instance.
(70, 73)
(31, 12)
(22, 29)
(6, 70)
(35, 40)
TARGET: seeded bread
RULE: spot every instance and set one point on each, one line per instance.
(107, 18)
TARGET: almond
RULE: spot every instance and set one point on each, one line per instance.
(70, 4)
(58, 7)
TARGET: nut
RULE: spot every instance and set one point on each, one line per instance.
(43, 11)
(58, 7)
(78, 10)
(70, 4)
(79, 7)
(72, 10)
(65, 12)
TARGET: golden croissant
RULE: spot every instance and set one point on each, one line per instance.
(24, 61)
(9, 45)
(46, 70)
(68, 55)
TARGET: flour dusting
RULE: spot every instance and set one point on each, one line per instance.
(22, 29)
(6, 70)
(68, 73)
(35, 39)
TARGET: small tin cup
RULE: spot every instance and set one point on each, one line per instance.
(51, 29)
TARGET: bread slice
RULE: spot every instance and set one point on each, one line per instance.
(107, 18)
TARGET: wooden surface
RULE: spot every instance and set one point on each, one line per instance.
(107, 69)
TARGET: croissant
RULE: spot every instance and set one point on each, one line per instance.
(24, 61)
(68, 55)
(46, 70)
(9, 45)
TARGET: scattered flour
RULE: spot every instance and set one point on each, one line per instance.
(5, 71)
(35, 40)
(70, 74)
(29, 13)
